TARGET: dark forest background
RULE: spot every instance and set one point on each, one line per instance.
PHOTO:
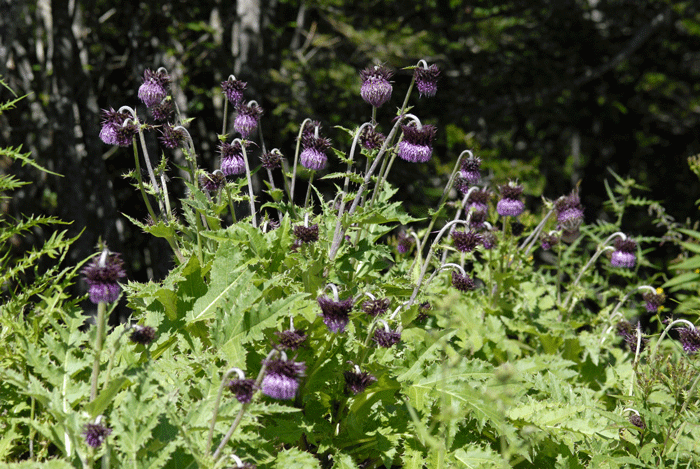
(552, 92)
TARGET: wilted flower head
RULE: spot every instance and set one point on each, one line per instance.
(370, 138)
(463, 283)
(336, 314)
(172, 137)
(95, 434)
(233, 89)
(637, 421)
(488, 239)
(272, 159)
(243, 389)
(690, 339)
(466, 241)
(654, 300)
(155, 87)
(426, 80)
(404, 243)
(376, 89)
(548, 240)
(247, 119)
(385, 337)
(143, 335)
(629, 333)
(477, 219)
(306, 234)
(423, 310)
(162, 112)
(280, 381)
(232, 162)
(102, 275)
(291, 339)
(376, 307)
(313, 155)
(417, 143)
(212, 182)
(470, 169)
(356, 381)
(510, 204)
(624, 253)
(115, 130)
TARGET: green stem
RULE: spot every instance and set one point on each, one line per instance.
(296, 159)
(140, 182)
(308, 190)
(101, 319)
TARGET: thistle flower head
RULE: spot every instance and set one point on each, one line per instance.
(370, 139)
(466, 241)
(233, 89)
(510, 204)
(335, 314)
(404, 243)
(280, 381)
(470, 169)
(143, 335)
(376, 89)
(95, 434)
(163, 111)
(417, 143)
(488, 240)
(376, 307)
(291, 339)
(385, 337)
(477, 219)
(637, 421)
(115, 128)
(154, 88)
(356, 381)
(232, 162)
(426, 80)
(463, 283)
(271, 159)
(313, 155)
(102, 275)
(690, 339)
(243, 389)
(478, 200)
(548, 240)
(569, 215)
(212, 182)
(628, 332)
(654, 300)
(624, 253)
(306, 234)
(172, 137)
(247, 119)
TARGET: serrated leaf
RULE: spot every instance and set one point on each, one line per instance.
(296, 459)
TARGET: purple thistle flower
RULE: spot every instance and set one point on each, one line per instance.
(306, 234)
(376, 89)
(212, 182)
(154, 88)
(637, 421)
(232, 162)
(510, 204)
(470, 169)
(143, 335)
(423, 310)
(313, 156)
(629, 333)
(102, 275)
(280, 381)
(624, 253)
(417, 143)
(488, 240)
(233, 89)
(162, 112)
(479, 200)
(272, 159)
(462, 184)
(247, 119)
(243, 389)
(477, 219)
(466, 241)
(376, 307)
(370, 139)
(690, 339)
(336, 314)
(426, 80)
(171, 137)
(463, 283)
(569, 215)
(95, 434)
(356, 381)
(654, 300)
(548, 240)
(113, 131)
(291, 339)
(386, 337)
